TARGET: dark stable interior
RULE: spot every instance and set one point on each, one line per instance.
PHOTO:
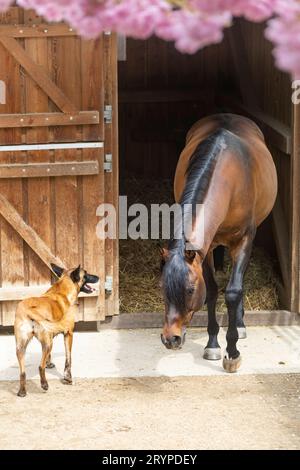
(162, 93)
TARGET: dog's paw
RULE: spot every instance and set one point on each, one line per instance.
(67, 380)
(45, 385)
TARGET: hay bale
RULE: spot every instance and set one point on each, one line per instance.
(139, 263)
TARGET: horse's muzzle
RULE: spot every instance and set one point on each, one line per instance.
(174, 342)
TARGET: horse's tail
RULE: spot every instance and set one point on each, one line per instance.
(219, 254)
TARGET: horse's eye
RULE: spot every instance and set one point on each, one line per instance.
(190, 290)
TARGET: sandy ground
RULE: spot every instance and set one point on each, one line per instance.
(212, 412)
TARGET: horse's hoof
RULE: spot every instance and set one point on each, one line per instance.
(242, 332)
(22, 393)
(231, 365)
(212, 354)
(50, 365)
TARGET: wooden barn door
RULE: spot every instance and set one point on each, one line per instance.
(58, 159)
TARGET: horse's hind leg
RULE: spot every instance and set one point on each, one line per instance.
(240, 254)
(212, 350)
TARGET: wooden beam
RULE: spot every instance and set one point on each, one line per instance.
(274, 131)
(40, 170)
(52, 146)
(165, 96)
(155, 320)
(42, 30)
(48, 119)
(11, 293)
(295, 212)
(282, 241)
(241, 65)
(28, 234)
(38, 74)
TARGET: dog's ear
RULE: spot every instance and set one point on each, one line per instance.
(75, 275)
(57, 270)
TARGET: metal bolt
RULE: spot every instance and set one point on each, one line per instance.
(45, 30)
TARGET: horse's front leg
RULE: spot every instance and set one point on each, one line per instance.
(240, 255)
(212, 350)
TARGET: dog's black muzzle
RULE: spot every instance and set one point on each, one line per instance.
(89, 279)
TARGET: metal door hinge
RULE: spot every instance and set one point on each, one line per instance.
(108, 114)
(108, 163)
(108, 284)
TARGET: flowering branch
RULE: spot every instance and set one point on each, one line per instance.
(191, 24)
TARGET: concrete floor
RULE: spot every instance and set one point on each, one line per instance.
(138, 353)
(131, 393)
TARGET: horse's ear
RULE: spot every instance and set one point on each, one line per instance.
(190, 255)
(56, 269)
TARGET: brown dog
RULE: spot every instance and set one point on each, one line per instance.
(46, 316)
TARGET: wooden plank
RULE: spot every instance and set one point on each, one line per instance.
(42, 30)
(48, 119)
(37, 191)
(282, 241)
(92, 186)
(277, 133)
(67, 190)
(164, 96)
(112, 179)
(156, 320)
(295, 213)
(35, 170)
(56, 146)
(13, 293)
(27, 233)
(12, 246)
(241, 65)
(38, 74)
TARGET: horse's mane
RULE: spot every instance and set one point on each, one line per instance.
(198, 176)
(201, 167)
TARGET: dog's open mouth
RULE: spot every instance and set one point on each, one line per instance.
(89, 279)
(87, 289)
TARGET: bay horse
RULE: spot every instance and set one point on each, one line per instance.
(227, 168)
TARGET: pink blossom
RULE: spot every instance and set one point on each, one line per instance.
(4, 4)
(191, 24)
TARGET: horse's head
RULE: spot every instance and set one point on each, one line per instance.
(183, 289)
